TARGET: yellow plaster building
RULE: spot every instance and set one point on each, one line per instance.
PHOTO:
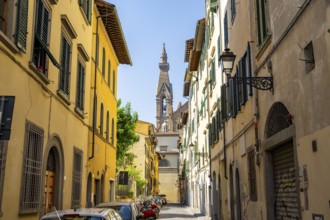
(44, 59)
(146, 156)
(46, 69)
(110, 50)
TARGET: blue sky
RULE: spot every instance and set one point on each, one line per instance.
(147, 24)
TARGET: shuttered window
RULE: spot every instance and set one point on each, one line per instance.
(32, 165)
(103, 62)
(214, 4)
(261, 21)
(225, 27)
(101, 119)
(86, 6)
(233, 10)
(219, 49)
(76, 178)
(112, 131)
(80, 87)
(212, 75)
(114, 83)
(22, 23)
(64, 83)
(223, 103)
(109, 71)
(107, 126)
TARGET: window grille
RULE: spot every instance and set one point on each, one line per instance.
(30, 194)
(80, 87)
(76, 178)
(3, 156)
(64, 83)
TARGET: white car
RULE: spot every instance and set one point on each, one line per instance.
(83, 214)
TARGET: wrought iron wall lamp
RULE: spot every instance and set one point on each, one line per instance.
(227, 60)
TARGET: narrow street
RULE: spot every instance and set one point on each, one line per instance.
(177, 212)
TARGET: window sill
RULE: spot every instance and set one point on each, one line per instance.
(64, 97)
(79, 112)
(262, 48)
(8, 43)
(41, 75)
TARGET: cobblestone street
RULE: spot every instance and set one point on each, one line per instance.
(177, 212)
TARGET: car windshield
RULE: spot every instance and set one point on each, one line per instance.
(124, 211)
(76, 218)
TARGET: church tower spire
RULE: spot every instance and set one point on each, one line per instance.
(164, 95)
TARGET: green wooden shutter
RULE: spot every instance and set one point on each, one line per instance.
(22, 24)
(214, 5)
(65, 71)
(249, 69)
(223, 103)
(90, 8)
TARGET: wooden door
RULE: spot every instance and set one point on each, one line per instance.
(49, 191)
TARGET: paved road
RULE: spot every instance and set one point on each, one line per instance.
(178, 212)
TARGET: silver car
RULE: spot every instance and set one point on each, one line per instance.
(83, 214)
(127, 210)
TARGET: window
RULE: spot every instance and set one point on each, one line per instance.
(164, 163)
(114, 83)
(107, 128)
(212, 74)
(261, 21)
(64, 83)
(309, 57)
(214, 5)
(41, 35)
(252, 176)
(86, 6)
(101, 119)
(163, 148)
(233, 10)
(109, 71)
(80, 93)
(76, 178)
(112, 131)
(225, 27)
(3, 156)
(14, 22)
(103, 62)
(31, 179)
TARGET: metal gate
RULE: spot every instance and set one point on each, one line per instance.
(285, 183)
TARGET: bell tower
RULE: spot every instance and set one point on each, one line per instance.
(164, 95)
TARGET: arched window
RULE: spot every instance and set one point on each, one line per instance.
(107, 128)
(164, 105)
(164, 163)
(101, 119)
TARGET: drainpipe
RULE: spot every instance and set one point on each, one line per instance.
(94, 98)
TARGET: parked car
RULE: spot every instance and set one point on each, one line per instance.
(83, 214)
(127, 210)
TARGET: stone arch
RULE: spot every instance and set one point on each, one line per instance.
(54, 163)
(278, 119)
